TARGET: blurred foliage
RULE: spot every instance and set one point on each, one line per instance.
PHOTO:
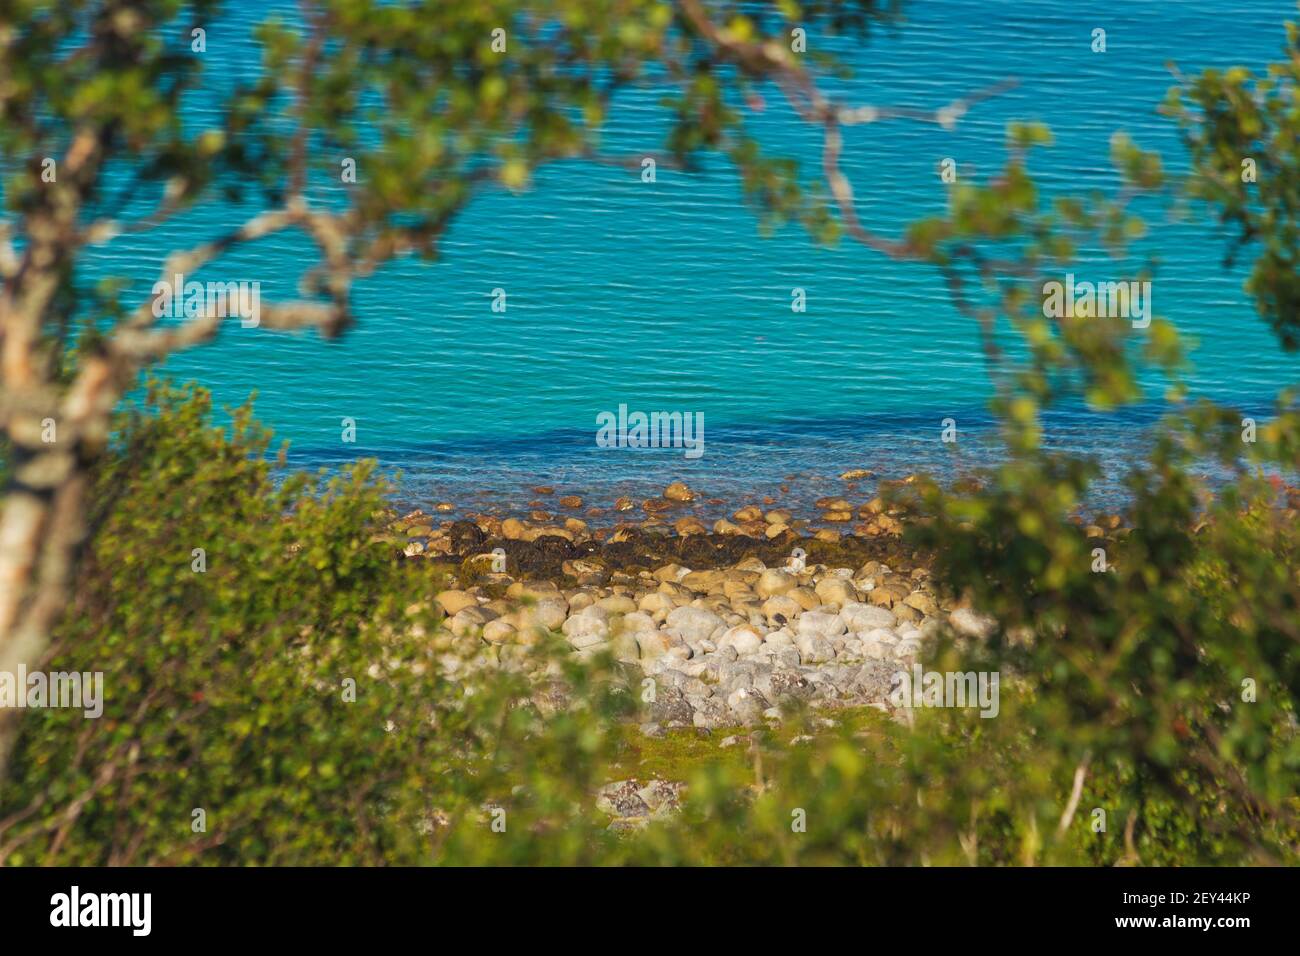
(223, 685)
(1241, 130)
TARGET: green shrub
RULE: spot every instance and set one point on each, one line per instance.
(224, 686)
(225, 691)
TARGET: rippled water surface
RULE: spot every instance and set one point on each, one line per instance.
(665, 297)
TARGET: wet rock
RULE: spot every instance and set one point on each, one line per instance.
(678, 491)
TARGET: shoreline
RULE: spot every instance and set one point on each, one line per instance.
(680, 523)
(730, 627)
(731, 622)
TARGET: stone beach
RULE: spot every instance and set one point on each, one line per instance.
(729, 622)
(726, 621)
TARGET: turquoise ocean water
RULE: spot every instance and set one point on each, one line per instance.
(664, 297)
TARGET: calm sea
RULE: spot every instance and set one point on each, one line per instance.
(665, 297)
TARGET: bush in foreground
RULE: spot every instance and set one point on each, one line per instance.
(295, 691)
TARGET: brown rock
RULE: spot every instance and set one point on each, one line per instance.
(889, 525)
(805, 597)
(532, 534)
(775, 581)
(704, 581)
(670, 572)
(689, 525)
(922, 602)
(453, 601)
(906, 613)
(677, 491)
(834, 504)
